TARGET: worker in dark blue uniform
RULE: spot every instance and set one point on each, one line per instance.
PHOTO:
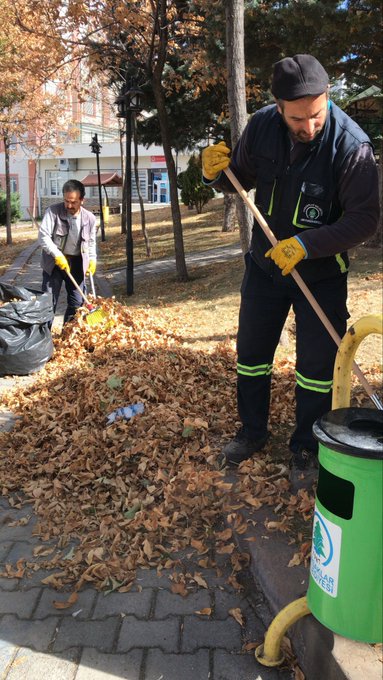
(316, 185)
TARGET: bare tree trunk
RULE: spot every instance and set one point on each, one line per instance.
(155, 73)
(236, 95)
(142, 209)
(8, 209)
(229, 212)
(34, 197)
(182, 273)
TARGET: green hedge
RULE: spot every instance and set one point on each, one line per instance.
(15, 207)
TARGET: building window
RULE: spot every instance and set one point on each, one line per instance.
(55, 183)
(113, 192)
(143, 180)
(14, 182)
(14, 185)
(88, 107)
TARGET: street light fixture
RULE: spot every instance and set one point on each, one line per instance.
(129, 103)
(96, 148)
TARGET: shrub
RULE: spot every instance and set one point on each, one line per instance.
(15, 207)
(193, 192)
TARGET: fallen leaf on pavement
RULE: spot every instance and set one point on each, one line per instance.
(66, 604)
(237, 615)
(295, 560)
(200, 580)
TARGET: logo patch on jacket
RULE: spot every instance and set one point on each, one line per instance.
(312, 213)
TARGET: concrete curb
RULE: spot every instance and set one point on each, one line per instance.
(15, 268)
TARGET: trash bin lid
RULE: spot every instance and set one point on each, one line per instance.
(353, 431)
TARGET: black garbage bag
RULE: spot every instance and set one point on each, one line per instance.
(25, 336)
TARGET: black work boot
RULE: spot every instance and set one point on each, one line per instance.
(241, 447)
(303, 470)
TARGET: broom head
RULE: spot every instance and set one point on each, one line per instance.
(95, 316)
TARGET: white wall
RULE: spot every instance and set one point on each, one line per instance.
(110, 161)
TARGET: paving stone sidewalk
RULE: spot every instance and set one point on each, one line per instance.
(149, 633)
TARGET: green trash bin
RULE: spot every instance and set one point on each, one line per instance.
(346, 573)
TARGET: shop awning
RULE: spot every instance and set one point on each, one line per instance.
(106, 180)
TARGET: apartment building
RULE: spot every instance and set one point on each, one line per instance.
(39, 180)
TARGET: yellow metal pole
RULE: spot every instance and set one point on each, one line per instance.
(269, 654)
(345, 357)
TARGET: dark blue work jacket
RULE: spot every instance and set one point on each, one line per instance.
(295, 196)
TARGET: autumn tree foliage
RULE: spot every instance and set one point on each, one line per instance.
(179, 54)
(29, 115)
(162, 44)
(118, 37)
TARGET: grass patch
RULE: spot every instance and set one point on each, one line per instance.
(201, 232)
(206, 307)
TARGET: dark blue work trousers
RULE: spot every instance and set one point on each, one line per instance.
(265, 304)
(52, 284)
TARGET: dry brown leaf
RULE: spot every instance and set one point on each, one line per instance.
(204, 563)
(42, 551)
(226, 549)
(179, 589)
(148, 548)
(72, 599)
(20, 522)
(272, 525)
(204, 612)
(200, 580)
(254, 502)
(224, 535)
(295, 560)
(53, 579)
(236, 613)
(10, 572)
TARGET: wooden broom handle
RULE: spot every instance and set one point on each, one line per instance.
(78, 288)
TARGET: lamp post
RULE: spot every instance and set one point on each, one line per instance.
(128, 104)
(95, 148)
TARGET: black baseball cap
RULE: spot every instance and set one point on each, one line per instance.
(298, 76)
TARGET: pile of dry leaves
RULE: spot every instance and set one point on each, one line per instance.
(115, 497)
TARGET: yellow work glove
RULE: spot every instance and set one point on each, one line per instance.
(91, 267)
(214, 159)
(62, 262)
(286, 254)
